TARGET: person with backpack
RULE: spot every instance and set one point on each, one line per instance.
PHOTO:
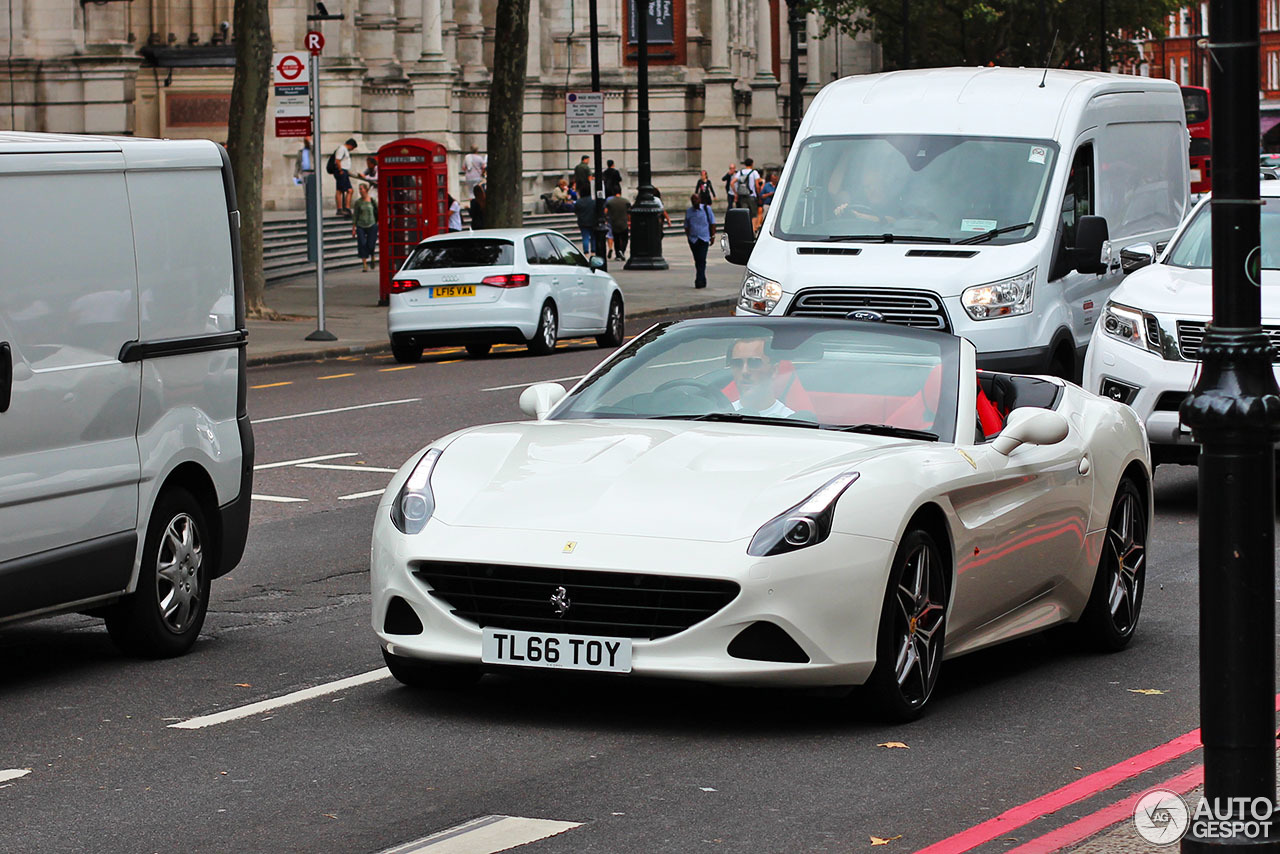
(699, 228)
(339, 166)
(730, 200)
(744, 187)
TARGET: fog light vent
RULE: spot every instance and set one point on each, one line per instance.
(763, 641)
(401, 620)
(1118, 391)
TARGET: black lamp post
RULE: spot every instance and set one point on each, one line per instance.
(598, 234)
(646, 213)
(795, 106)
(1234, 413)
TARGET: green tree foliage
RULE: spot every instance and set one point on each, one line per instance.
(999, 32)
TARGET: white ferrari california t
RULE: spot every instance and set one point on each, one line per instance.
(770, 501)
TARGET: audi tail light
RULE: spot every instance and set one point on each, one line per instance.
(514, 280)
(399, 286)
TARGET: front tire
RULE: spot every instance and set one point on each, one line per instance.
(912, 630)
(478, 351)
(1111, 617)
(406, 354)
(428, 674)
(544, 339)
(615, 329)
(163, 616)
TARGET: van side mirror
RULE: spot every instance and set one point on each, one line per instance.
(739, 236)
(1091, 233)
(1030, 426)
(1136, 257)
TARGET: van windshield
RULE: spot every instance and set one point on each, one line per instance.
(914, 188)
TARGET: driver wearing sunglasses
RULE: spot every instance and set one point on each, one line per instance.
(753, 369)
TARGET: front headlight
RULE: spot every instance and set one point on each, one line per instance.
(1005, 298)
(1125, 324)
(415, 503)
(806, 524)
(759, 295)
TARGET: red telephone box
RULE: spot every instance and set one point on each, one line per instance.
(413, 202)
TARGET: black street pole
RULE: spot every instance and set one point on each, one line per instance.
(598, 235)
(795, 103)
(646, 213)
(1234, 413)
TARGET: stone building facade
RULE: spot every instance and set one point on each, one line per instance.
(718, 77)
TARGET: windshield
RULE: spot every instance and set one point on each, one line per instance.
(797, 372)
(1194, 248)
(445, 254)
(932, 188)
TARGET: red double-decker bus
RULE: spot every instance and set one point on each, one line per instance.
(1195, 99)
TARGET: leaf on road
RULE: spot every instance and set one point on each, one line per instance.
(876, 840)
(330, 815)
(893, 744)
(1148, 691)
(243, 685)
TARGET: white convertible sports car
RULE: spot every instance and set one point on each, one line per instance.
(780, 501)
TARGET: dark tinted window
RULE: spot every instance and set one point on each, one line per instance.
(446, 254)
(569, 253)
(1196, 103)
(1201, 147)
(1078, 200)
(544, 253)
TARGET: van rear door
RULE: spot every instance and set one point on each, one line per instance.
(69, 464)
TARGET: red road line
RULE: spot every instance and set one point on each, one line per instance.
(1083, 828)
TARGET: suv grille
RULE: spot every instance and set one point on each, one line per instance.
(920, 309)
(1191, 335)
(621, 604)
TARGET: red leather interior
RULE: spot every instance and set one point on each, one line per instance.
(786, 387)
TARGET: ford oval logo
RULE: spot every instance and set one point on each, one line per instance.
(867, 315)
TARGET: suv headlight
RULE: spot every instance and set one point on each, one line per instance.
(806, 524)
(1125, 324)
(1005, 298)
(415, 503)
(759, 295)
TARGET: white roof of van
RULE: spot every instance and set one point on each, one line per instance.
(968, 101)
(140, 152)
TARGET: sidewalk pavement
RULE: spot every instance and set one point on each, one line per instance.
(352, 312)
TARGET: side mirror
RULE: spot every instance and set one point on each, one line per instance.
(739, 236)
(538, 400)
(1091, 233)
(1136, 257)
(1030, 426)
(596, 263)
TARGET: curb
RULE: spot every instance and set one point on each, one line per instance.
(374, 347)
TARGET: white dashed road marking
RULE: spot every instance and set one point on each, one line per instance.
(329, 467)
(486, 835)
(301, 461)
(287, 700)
(13, 774)
(356, 495)
(526, 385)
(278, 499)
(339, 409)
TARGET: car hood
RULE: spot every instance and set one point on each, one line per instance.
(676, 479)
(1162, 289)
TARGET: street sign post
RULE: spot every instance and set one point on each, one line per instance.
(584, 113)
(292, 91)
(314, 46)
(314, 42)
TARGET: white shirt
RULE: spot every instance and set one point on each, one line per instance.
(455, 216)
(475, 164)
(750, 175)
(342, 159)
(777, 409)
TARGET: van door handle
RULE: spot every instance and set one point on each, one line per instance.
(555, 281)
(6, 375)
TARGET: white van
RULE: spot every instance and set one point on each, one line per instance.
(988, 202)
(126, 454)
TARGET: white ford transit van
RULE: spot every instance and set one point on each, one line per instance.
(126, 454)
(988, 202)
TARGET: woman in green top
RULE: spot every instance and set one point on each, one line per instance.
(364, 225)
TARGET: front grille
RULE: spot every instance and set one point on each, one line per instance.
(618, 604)
(1153, 334)
(941, 253)
(1191, 335)
(920, 309)
(828, 250)
(1171, 401)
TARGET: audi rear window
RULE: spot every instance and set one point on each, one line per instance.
(448, 254)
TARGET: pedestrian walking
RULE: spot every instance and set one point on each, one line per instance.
(582, 176)
(477, 207)
(705, 190)
(474, 165)
(728, 179)
(767, 189)
(699, 228)
(455, 214)
(370, 173)
(744, 187)
(617, 211)
(585, 210)
(339, 166)
(303, 168)
(612, 181)
(364, 226)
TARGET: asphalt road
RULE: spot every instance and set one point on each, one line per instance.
(642, 766)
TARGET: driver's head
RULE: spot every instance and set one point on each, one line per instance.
(753, 369)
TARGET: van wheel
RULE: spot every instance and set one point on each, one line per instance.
(163, 616)
(406, 354)
(429, 674)
(1063, 365)
(544, 339)
(478, 351)
(616, 328)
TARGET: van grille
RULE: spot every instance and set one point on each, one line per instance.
(620, 604)
(920, 309)
(1191, 335)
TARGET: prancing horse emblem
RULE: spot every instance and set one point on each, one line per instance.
(560, 600)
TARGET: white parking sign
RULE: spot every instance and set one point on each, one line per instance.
(584, 113)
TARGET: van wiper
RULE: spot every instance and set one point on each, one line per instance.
(987, 235)
(740, 418)
(883, 430)
(887, 238)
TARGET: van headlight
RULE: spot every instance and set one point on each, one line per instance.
(1125, 324)
(415, 502)
(759, 295)
(1005, 298)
